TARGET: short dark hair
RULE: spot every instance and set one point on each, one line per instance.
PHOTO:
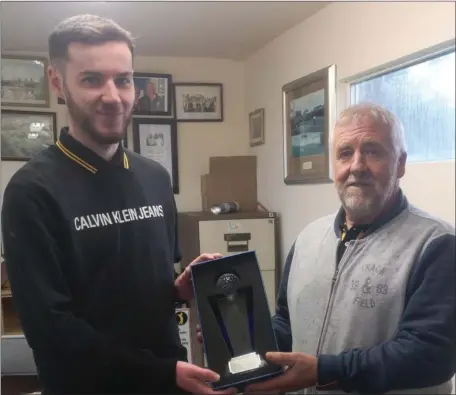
(85, 29)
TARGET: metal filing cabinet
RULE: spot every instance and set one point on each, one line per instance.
(17, 356)
(201, 232)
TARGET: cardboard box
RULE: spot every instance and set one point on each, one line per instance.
(236, 324)
(230, 178)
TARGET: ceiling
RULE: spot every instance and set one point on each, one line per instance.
(230, 29)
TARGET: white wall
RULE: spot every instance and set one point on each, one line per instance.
(196, 141)
(356, 37)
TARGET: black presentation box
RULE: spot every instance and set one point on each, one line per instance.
(235, 319)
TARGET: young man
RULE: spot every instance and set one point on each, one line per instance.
(89, 235)
(367, 302)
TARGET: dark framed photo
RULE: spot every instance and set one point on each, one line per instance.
(24, 134)
(153, 94)
(198, 102)
(309, 112)
(156, 139)
(24, 81)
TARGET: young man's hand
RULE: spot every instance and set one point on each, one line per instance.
(183, 283)
(194, 379)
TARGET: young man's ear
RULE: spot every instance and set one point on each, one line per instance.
(56, 81)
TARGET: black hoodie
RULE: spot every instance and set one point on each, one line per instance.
(90, 247)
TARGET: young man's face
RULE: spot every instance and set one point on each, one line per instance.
(97, 84)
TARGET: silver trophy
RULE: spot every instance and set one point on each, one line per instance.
(235, 319)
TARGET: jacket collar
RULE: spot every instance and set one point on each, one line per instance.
(85, 157)
(400, 204)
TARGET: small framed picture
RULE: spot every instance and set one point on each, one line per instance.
(24, 81)
(26, 133)
(156, 139)
(256, 122)
(153, 94)
(198, 102)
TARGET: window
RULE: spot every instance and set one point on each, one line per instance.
(422, 95)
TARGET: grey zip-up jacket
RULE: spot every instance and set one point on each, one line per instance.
(384, 321)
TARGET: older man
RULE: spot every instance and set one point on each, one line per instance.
(367, 302)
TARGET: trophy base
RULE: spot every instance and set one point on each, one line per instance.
(245, 363)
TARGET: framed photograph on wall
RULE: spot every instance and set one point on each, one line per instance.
(198, 102)
(24, 81)
(26, 133)
(256, 127)
(156, 139)
(309, 112)
(153, 94)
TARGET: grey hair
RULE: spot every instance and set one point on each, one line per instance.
(380, 116)
(85, 29)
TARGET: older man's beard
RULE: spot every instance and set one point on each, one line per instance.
(357, 204)
(366, 201)
(86, 124)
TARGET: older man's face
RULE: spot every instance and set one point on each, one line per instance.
(367, 168)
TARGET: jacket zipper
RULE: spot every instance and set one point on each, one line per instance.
(334, 279)
(333, 283)
(349, 245)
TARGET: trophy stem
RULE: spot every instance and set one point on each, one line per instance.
(234, 314)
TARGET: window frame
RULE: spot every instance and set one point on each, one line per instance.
(401, 63)
(409, 60)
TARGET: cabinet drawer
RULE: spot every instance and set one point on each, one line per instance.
(17, 356)
(233, 236)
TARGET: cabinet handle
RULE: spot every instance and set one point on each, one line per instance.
(237, 242)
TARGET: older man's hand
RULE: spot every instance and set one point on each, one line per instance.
(301, 372)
